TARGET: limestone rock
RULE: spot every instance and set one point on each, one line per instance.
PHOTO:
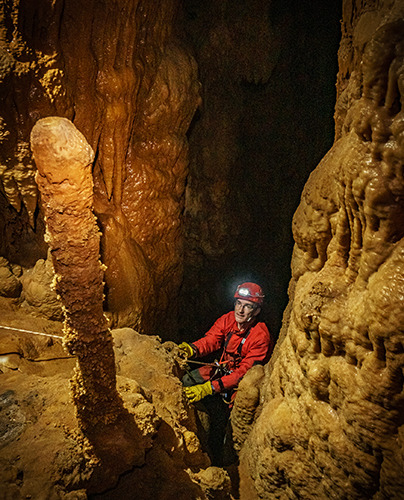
(145, 359)
(38, 290)
(330, 420)
(245, 405)
(43, 453)
(10, 285)
(215, 483)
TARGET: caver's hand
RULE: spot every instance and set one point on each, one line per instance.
(186, 349)
(197, 392)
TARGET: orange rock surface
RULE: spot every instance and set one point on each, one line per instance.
(330, 421)
(325, 418)
(43, 453)
(121, 75)
(64, 159)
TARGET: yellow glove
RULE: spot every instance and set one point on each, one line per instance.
(187, 349)
(197, 392)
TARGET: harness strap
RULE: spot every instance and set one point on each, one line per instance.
(240, 346)
(226, 342)
(227, 395)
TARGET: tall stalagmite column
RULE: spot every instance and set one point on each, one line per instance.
(64, 159)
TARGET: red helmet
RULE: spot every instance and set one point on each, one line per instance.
(251, 292)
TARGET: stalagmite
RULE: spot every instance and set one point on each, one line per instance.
(245, 405)
(64, 160)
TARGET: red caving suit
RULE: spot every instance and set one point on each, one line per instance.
(241, 349)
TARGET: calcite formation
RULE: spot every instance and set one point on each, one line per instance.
(64, 159)
(38, 291)
(118, 70)
(246, 405)
(330, 421)
(325, 419)
(10, 285)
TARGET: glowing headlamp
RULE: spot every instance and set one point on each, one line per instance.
(251, 292)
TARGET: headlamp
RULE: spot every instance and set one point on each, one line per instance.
(251, 292)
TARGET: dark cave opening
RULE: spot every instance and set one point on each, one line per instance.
(276, 121)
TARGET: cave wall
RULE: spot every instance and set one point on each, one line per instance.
(330, 418)
(324, 428)
(125, 72)
(267, 69)
(118, 71)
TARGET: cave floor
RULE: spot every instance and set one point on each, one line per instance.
(39, 445)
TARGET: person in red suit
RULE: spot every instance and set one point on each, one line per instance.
(241, 341)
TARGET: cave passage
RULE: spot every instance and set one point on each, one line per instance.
(268, 72)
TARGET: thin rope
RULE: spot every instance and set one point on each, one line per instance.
(29, 331)
(217, 364)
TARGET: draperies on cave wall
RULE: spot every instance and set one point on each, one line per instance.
(330, 421)
(117, 70)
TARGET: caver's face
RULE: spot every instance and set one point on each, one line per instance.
(245, 311)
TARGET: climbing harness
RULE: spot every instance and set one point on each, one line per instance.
(227, 396)
(216, 363)
(221, 368)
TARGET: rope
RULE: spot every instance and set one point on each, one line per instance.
(216, 364)
(201, 363)
(29, 331)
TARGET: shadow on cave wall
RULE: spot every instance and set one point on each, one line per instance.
(268, 72)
